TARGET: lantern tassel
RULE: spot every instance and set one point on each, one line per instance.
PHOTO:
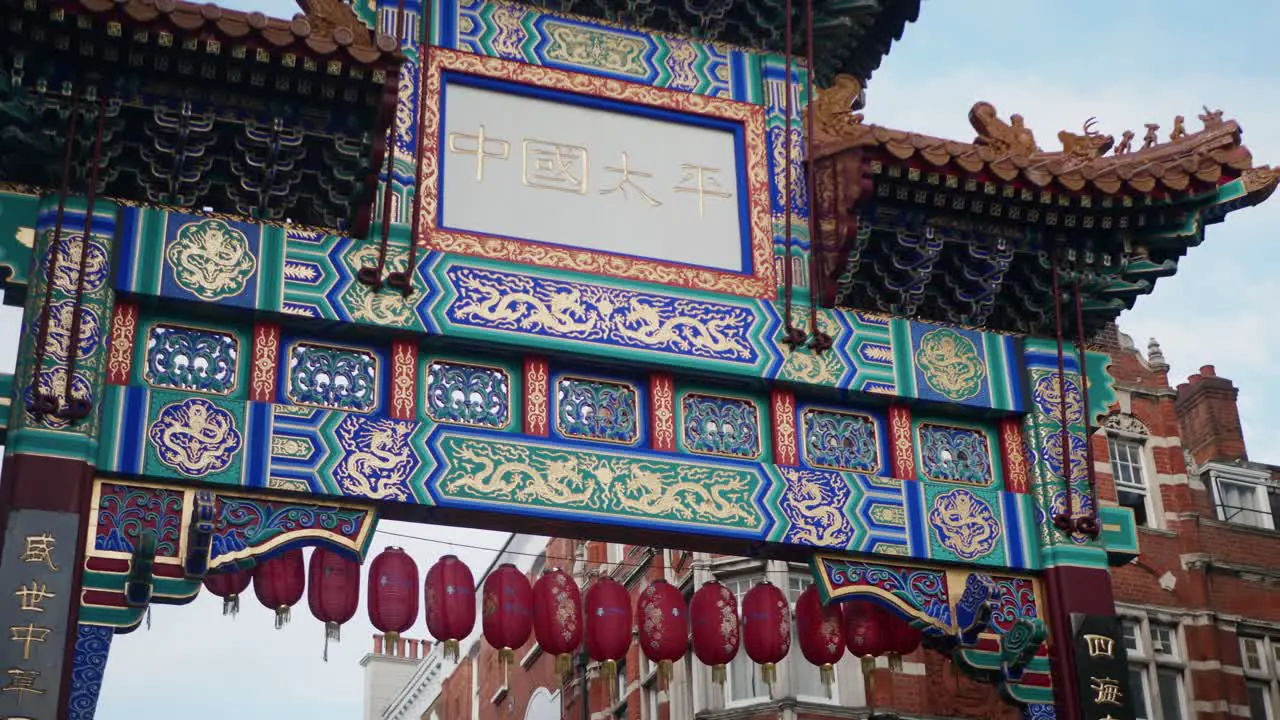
(332, 631)
(768, 673)
(231, 605)
(148, 617)
(895, 663)
(282, 616)
(664, 670)
(718, 674)
(392, 642)
(451, 648)
(564, 666)
(610, 672)
(828, 674)
(506, 656)
(869, 681)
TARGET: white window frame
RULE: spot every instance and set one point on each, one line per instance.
(1267, 673)
(614, 554)
(1259, 483)
(804, 580)
(1145, 658)
(747, 580)
(649, 698)
(1150, 489)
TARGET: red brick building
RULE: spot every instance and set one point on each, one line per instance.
(1201, 604)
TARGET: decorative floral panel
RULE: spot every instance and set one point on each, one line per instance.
(328, 376)
(715, 425)
(187, 358)
(841, 440)
(955, 454)
(597, 410)
(461, 394)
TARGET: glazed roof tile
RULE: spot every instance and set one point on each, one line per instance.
(1008, 151)
(329, 27)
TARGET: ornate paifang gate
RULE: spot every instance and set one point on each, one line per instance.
(230, 347)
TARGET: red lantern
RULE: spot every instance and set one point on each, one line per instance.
(508, 616)
(393, 593)
(228, 585)
(866, 629)
(713, 612)
(333, 591)
(766, 627)
(866, 633)
(279, 582)
(451, 603)
(820, 630)
(903, 640)
(608, 627)
(557, 617)
(664, 625)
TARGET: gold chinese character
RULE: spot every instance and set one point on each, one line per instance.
(552, 166)
(627, 173)
(480, 149)
(1105, 690)
(34, 595)
(1100, 646)
(26, 636)
(22, 682)
(698, 179)
(40, 550)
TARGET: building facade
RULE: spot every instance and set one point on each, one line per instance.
(1200, 606)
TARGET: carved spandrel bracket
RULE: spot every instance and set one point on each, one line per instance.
(988, 624)
(152, 543)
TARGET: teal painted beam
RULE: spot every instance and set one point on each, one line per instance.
(312, 276)
(435, 471)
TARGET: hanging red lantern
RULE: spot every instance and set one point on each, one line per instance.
(766, 628)
(664, 625)
(820, 630)
(228, 585)
(279, 582)
(450, 592)
(557, 617)
(393, 593)
(903, 640)
(713, 613)
(508, 612)
(333, 592)
(866, 633)
(608, 627)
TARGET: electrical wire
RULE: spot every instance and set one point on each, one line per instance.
(501, 551)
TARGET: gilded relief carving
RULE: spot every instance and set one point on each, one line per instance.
(211, 259)
(950, 364)
(964, 524)
(507, 301)
(814, 504)
(377, 461)
(195, 437)
(484, 469)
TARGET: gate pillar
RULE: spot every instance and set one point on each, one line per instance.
(50, 455)
(1076, 576)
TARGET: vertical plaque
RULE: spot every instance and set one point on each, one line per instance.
(1102, 668)
(35, 575)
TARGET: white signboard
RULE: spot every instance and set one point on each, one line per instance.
(556, 172)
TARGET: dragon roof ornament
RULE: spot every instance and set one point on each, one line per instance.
(1089, 160)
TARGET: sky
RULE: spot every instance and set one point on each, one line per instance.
(1056, 63)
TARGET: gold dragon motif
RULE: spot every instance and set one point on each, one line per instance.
(378, 459)
(517, 473)
(590, 311)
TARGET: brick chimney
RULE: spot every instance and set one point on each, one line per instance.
(1209, 417)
